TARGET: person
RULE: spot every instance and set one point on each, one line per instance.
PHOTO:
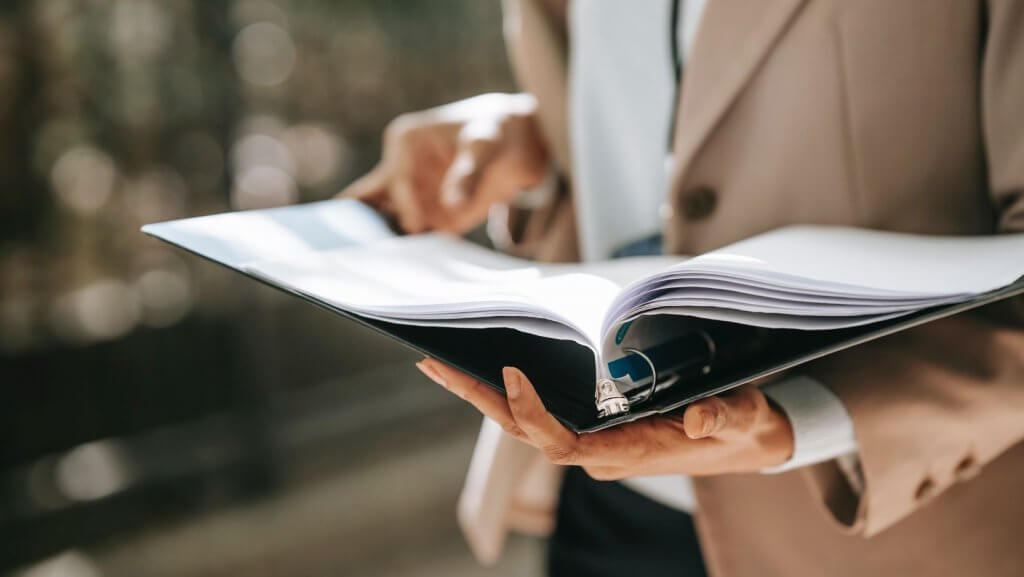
(900, 456)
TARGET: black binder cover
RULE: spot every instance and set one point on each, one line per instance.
(563, 371)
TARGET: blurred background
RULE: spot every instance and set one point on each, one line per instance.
(161, 416)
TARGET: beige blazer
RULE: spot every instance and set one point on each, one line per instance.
(901, 115)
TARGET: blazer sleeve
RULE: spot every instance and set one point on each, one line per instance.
(931, 406)
(537, 37)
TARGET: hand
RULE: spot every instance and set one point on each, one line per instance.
(732, 433)
(443, 168)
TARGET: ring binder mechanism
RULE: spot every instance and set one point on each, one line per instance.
(654, 372)
(611, 402)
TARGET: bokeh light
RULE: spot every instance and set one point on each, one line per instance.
(318, 153)
(166, 297)
(255, 150)
(67, 564)
(102, 310)
(91, 471)
(263, 186)
(84, 178)
(139, 30)
(264, 54)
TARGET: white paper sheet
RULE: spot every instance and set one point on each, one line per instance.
(435, 276)
(808, 277)
(868, 262)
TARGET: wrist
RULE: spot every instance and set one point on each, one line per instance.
(778, 442)
(770, 443)
(821, 427)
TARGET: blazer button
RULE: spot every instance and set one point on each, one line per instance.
(967, 468)
(925, 490)
(699, 202)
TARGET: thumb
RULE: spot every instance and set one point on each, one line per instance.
(738, 410)
(542, 430)
(477, 145)
(369, 186)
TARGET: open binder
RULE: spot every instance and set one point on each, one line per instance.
(677, 330)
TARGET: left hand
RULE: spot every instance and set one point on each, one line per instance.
(736, 432)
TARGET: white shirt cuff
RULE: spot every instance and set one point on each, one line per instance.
(822, 429)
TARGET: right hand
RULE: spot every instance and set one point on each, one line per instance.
(443, 168)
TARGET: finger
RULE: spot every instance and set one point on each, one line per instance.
(476, 147)
(702, 418)
(406, 205)
(485, 399)
(560, 445)
(714, 416)
(486, 191)
(602, 473)
(369, 187)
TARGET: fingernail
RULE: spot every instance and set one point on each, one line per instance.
(707, 423)
(512, 383)
(431, 373)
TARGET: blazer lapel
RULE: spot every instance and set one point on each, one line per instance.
(734, 38)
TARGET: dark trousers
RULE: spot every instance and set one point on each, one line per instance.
(605, 529)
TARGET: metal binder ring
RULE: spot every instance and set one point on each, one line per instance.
(654, 372)
(712, 351)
